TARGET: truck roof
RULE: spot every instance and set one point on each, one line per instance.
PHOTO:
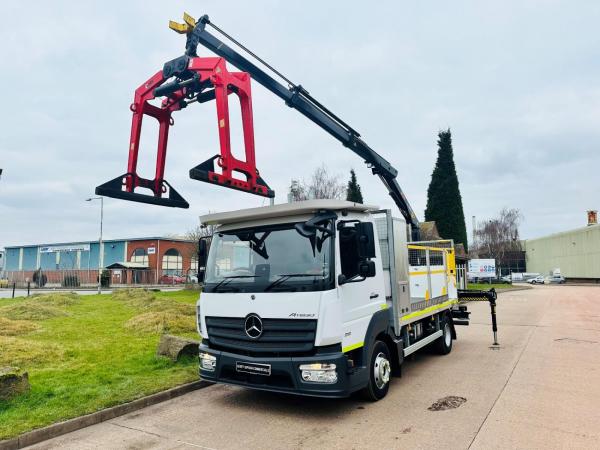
(282, 210)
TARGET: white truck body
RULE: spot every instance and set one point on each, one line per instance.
(406, 299)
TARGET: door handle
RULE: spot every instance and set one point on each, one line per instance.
(373, 295)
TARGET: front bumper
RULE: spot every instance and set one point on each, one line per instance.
(285, 373)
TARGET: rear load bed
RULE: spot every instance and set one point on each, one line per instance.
(420, 277)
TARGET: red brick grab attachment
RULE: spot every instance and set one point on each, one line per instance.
(197, 80)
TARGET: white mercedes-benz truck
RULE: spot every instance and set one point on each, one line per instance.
(322, 298)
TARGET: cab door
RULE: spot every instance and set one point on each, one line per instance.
(360, 279)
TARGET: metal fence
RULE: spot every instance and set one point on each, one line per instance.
(110, 278)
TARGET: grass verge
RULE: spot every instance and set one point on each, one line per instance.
(486, 286)
(87, 353)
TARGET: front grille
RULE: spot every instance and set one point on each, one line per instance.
(279, 335)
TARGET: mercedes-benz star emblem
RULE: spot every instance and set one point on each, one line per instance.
(253, 326)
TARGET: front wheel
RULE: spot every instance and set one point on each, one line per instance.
(444, 343)
(379, 372)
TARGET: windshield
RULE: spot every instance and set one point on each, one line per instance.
(269, 259)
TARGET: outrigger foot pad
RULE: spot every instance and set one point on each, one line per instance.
(206, 172)
(116, 188)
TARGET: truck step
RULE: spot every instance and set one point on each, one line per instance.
(422, 343)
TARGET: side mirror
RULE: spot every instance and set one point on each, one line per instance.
(202, 250)
(366, 240)
(366, 269)
(202, 257)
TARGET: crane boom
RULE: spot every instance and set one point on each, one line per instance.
(295, 96)
(191, 79)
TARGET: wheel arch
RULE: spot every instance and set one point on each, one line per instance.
(379, 329)
(448, 317)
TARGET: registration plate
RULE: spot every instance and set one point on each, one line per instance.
(254, 368)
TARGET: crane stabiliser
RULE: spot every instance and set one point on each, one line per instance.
(186, 89)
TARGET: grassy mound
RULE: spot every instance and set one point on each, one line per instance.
(160, 314)
(24, 352)
(16, 327)
(57, 299)
(150, 302)
(135, 297)
(40, 307)
(32, 310)
(159, 322)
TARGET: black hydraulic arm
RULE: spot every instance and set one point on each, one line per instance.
(295, 96)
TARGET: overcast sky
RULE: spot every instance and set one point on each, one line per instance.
(516, 81)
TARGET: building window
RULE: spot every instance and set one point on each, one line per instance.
(172, 262)
(140, 255)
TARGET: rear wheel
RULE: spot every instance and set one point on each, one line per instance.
(444, 344)
(380, 370)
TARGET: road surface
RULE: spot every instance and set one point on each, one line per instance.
(540, 389)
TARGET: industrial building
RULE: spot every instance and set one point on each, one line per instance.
(575, 253)
(151, 260)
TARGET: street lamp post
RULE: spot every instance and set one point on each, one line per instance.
(100, 249)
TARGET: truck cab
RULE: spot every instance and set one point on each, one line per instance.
(308, 298)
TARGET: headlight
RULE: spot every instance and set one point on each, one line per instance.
(319, 373)
(207, 362)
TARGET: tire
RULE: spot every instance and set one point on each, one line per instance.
(380, 372)
(443, 345)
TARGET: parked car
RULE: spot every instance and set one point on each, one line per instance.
(537, 280)
(502, 280)
(172, 279)
(558, 279)
(192, 278)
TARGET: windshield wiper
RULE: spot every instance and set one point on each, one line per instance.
(226, 280)
(285, 276)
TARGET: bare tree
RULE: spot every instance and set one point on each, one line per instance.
(322, 185)
(498, 238)
(195, 234)
(200, 231)
(298, 191)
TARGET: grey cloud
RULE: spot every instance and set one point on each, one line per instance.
(517, 82)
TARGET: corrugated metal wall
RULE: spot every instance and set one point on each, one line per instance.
(26, 258)
(576, 253)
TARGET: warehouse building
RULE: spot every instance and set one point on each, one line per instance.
(575, 253)
(152, 260)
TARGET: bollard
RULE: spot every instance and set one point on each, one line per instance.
(14, 286)
(28, 287)
(492, 299)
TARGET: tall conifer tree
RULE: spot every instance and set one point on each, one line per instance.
(353, 193)
(444, 203)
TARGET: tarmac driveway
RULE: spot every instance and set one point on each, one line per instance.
(540, 389)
